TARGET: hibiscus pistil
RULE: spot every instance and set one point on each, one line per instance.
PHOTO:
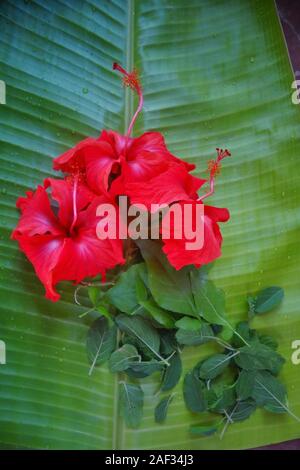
(131, 80)
(74, 199)
(214, 167)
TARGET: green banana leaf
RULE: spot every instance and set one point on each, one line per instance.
(215, 73)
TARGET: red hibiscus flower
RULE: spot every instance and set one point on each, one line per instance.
(123, 160)
(64, 246)
(57, 232)
(176, 248)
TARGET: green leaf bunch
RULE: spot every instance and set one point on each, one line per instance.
(157, 312)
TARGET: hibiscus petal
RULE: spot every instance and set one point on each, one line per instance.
(100, 162)
(43, 251)
(37, 216)
(73, 159)
(87, 256)
(177, 252)
(22, 202)
(94, 158)
(118, 141)
(217, 214)
(175, 184)
(153, 143)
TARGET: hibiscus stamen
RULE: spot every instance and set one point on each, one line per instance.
(75, 185)
(214, 167)
(131, 80)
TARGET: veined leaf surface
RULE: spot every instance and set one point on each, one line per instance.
(214, 74)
